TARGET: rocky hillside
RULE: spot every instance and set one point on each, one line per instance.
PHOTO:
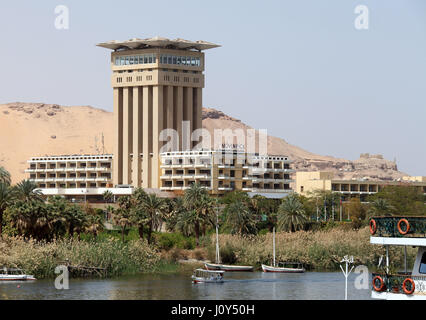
(367, 166)
(36, 129)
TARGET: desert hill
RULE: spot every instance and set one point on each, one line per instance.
(37, 129)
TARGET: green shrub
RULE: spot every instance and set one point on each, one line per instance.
(167, 241)
(227, 254)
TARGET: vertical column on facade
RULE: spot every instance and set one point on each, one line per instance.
(187, 113)
(127, 133)
(157, 127)
(169, 124)
(137, 136)
(118, 136)
(147, 136)
(197, 110)
(178, 103)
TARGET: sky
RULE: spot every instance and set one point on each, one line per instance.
(298, 68)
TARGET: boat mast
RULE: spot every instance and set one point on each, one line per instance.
(274, 244)
(217, 238)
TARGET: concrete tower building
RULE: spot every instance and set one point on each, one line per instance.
(157, 85)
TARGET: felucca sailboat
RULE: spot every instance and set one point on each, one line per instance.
(218, 265)
(283, 267)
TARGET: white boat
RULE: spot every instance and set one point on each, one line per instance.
(282, 267)
(224, 267)
(400, 231)
(207, 276)
(8, 274)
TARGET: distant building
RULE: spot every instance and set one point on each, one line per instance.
(319, 180)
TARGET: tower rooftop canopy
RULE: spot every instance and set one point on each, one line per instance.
(157, 42)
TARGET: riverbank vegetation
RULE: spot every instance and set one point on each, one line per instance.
(145, 233)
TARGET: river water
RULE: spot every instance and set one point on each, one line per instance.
(240, 286)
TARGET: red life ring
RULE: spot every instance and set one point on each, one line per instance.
(373, 226)
(382, 284)
(407, 228)
(404, 286)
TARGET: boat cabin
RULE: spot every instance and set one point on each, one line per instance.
(11, 271)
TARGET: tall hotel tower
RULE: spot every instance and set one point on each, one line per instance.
(157, 85)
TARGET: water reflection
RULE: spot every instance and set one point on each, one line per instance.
(242, 286)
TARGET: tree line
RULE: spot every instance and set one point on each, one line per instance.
(24, 212)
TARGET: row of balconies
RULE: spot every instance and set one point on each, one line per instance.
(72, 175)
(31, 170)
(188, 176)
(260, 190)
(71, 185)
(38, 180)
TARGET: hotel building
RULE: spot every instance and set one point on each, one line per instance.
(89, 176)
(157, 85)
(319, 180)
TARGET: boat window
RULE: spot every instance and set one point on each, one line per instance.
(423, 264)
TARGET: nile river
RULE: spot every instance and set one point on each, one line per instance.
(240, 286)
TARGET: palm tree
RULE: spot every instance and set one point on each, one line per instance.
(7, 195)
(122, 216)
(27, 190)
(76, 219)
(186, 221)
(174, 210)
(197, 200)
(95, 224)
(380, 207)
(239, 218)
(5, 176)
(138, 215)
(149, 211)
(291, 214)
(33, 219)
(108, 196)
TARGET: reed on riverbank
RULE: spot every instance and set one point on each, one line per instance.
(41, 258)
(320, 250)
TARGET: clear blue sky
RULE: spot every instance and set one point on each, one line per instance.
(298, 68)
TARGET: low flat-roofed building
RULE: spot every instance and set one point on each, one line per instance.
(414, 178)
(221, 171)
(87, 177)
(307, 182)
(71, 171)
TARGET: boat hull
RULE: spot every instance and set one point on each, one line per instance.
(266, 268)
(204, 280)
(224, 267)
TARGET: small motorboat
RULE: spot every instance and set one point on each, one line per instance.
(14, 274)
(283, 267)
(207, 276)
